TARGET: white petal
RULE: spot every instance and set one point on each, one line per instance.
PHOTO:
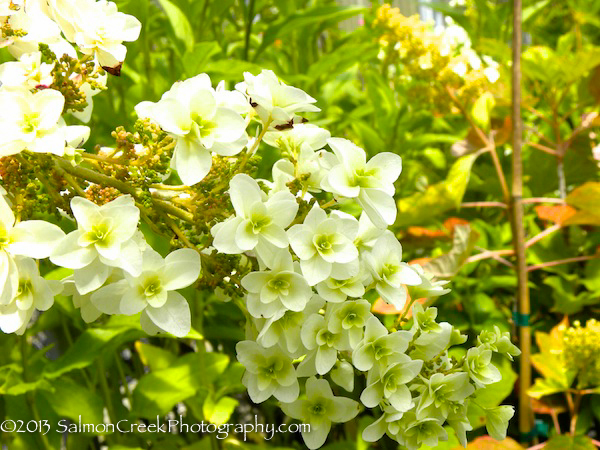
(40, 240)
(244, 192)
(174, 317)
(90, 277)
(182, 268)
(193, 161)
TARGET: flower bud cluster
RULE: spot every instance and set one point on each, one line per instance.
(431, 61)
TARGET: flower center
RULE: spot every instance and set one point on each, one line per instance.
(30, 122)
(326, 337)
(279, 284)
(25, 287)
(151, 287)
(317, 409)
(205, 127)
(258, 223)
(362, 178)
(389, 270)
(323, 243)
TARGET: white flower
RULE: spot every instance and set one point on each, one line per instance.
(28, 71)
(429, 287)
(336, 291)
(259, 222)
(378, 346)
(280, 288)
(497, 421)
(349, 317)
(32, 238)
(441, 393)
(325, 245)
(31, 122)
(33, 293)
(390, 383)
(319, 409)
(269, 372)
(97, 27)
(389, 272)
(284, 328)
(300, 136)
(104, 239)
(154, 291)
(367, 233)
(325, 343)
(371, 183)
(272, 99)
(191, 114)
(37, 28)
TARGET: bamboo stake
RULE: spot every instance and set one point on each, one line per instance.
(525, 409)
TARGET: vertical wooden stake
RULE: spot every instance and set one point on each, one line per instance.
(525, 410)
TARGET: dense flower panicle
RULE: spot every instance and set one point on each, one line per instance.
(431, 59)
(304, 267)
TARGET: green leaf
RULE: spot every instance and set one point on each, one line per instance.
(179, 22)
(586, 198)
(437, 198)
(543, 387)
(305, 18)
(218, 412)
(568, 442)
(154, 357)
(197, 59)
(71, 400)
(448, 264)
(88, 347)
(482, 109)
(157, 392)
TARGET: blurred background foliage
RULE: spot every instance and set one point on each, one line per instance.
(454, 138)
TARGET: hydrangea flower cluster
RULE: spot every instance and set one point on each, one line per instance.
(307, 269)
(433, 59)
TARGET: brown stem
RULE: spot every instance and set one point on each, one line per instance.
(576, 407)
(543, 148)
(525, 409)
(484, 205)
(562, 261)
(543, 200)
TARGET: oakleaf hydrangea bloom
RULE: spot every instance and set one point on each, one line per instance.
(442, 393)
(498, 341)
(191, 114)
(29, 71)
(323, 342)
(389, 272)
(32, 238)
(153, 291)
(349, 317)
(390, 383)
(428, 287)
(269, 372)
(274, 101)
(377, 346)
(305, 274)
(325, 245)
(33, 293)
(259, 222)
(276, 290)
(372, 183)
(497, 420)
(97, 27)
(478, 365)
(319, 409)
(31, 122)
(284, 328)
(103, 239)
(337, 291)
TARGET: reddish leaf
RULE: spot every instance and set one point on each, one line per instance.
(555, 213)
